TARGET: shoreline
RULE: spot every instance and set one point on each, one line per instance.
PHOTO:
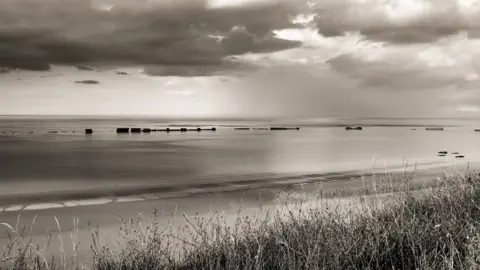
(107, 215)
(15, 202)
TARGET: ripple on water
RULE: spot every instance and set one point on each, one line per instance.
(14, 208)
(87, 202)
(42, 206)
(129, 199)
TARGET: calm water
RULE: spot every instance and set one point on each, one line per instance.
(42, 161)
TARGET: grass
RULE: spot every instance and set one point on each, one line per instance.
(387, 225)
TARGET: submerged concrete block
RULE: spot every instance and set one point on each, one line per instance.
(354, 128)
(123, 130)
(284, 128)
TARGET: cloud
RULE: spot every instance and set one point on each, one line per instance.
(85, 68)
(398, 21)
(390, 75)
(339, 58)
(348, 76)
(37, 34)
(225, 67)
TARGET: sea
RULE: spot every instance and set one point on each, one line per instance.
(41, 155)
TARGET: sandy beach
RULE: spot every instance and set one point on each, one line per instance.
(105, 213)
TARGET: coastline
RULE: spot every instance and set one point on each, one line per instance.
(14, 202)
(78, 221)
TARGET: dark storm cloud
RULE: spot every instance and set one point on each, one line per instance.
(36, 34)
(414, 33)
(415, 22)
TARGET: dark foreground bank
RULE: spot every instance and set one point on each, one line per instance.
(437, 228)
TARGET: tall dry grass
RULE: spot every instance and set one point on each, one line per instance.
(389, 224)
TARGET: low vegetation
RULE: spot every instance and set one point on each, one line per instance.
(433, 228)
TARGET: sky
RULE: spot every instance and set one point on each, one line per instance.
(240, 58)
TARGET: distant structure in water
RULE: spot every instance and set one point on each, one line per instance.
(434, 128)
(354, 128)
(148, 130)
(123, 130)
(284, 128)
(88, 131)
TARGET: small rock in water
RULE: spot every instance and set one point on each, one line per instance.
(87, 82)
(455, 153)
(441, 155)
(460, 156)
(443, 152)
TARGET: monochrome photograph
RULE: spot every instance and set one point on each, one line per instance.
(239, 134)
